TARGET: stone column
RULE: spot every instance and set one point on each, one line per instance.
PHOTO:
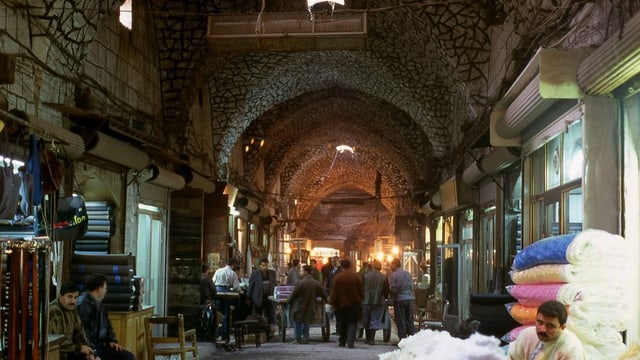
(601, 184)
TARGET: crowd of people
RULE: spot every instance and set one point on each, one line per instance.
(353, 297)
(359, 297)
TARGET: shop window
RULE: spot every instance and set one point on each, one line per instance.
(439, 230)
(486, 251)
(572, 150)
(556, 203)
(573, 201)
(553, 163)
(512, 225)
(126, 14)
(537, 172)
(448, 228)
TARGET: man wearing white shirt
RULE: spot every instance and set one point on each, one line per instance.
(549, 339)
(226, 280)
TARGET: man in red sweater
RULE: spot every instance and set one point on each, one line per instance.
(346, 295)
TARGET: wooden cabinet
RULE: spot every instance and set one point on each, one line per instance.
(185, 255)
(129, 329)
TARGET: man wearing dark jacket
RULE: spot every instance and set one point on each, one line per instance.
(207, 312)
(302, 302)
(262, 282)
(207, 287)
(345, 297)
(96, 323)
(376, 290)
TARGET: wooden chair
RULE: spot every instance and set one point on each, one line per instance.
(437, 324)
(167, 346)
(421, 305)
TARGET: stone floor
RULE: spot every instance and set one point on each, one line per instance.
(316, 349)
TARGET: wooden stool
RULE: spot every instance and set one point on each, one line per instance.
(246, 327)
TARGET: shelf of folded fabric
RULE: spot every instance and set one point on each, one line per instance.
(100, 229)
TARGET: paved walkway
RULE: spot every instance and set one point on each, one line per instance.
(316, 349)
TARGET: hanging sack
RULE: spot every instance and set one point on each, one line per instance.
(52, 171)
(10, 186)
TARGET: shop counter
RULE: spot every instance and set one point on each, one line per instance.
(129, 329)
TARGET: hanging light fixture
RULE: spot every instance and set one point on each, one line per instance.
(310, 3)
(342, 148)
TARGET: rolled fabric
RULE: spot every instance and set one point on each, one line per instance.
(593, 247)
(602, 315)
(571, 293)
(534, 294)
(603, 351)
(564, 273)
(591, 332)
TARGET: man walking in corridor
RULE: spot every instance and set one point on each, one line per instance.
(401, 287)
(262, 282)
(345, 297)
(376, 290)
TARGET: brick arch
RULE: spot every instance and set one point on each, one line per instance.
(428, 60)
(251, 85)
(306, 135)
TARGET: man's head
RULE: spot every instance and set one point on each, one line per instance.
(395, 264)
(307, 269)
(264, 265)
(551, 320)
(296, 262)
(335, 261)
(377, 265)
(96, 285)
(230, 262)
(345, 264)
(69, 292)
(313, 262)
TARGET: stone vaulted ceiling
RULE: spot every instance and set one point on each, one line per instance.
(403, 103)
(399, 103)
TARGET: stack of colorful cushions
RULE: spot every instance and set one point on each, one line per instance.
(586, 271)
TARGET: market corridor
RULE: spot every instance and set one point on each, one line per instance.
(316, 349)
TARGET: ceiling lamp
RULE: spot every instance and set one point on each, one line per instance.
(342, 148)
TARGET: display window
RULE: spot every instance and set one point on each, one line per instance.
(556, 176)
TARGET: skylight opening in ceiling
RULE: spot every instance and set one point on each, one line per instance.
(126, 14)
(310, 3)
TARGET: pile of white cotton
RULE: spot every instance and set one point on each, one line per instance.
(429, 344)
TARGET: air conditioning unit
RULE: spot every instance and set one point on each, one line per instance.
(296, 31)
(455, 193)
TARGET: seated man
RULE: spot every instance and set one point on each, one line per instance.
(96, 323)
(549, 339)
(64, 320)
